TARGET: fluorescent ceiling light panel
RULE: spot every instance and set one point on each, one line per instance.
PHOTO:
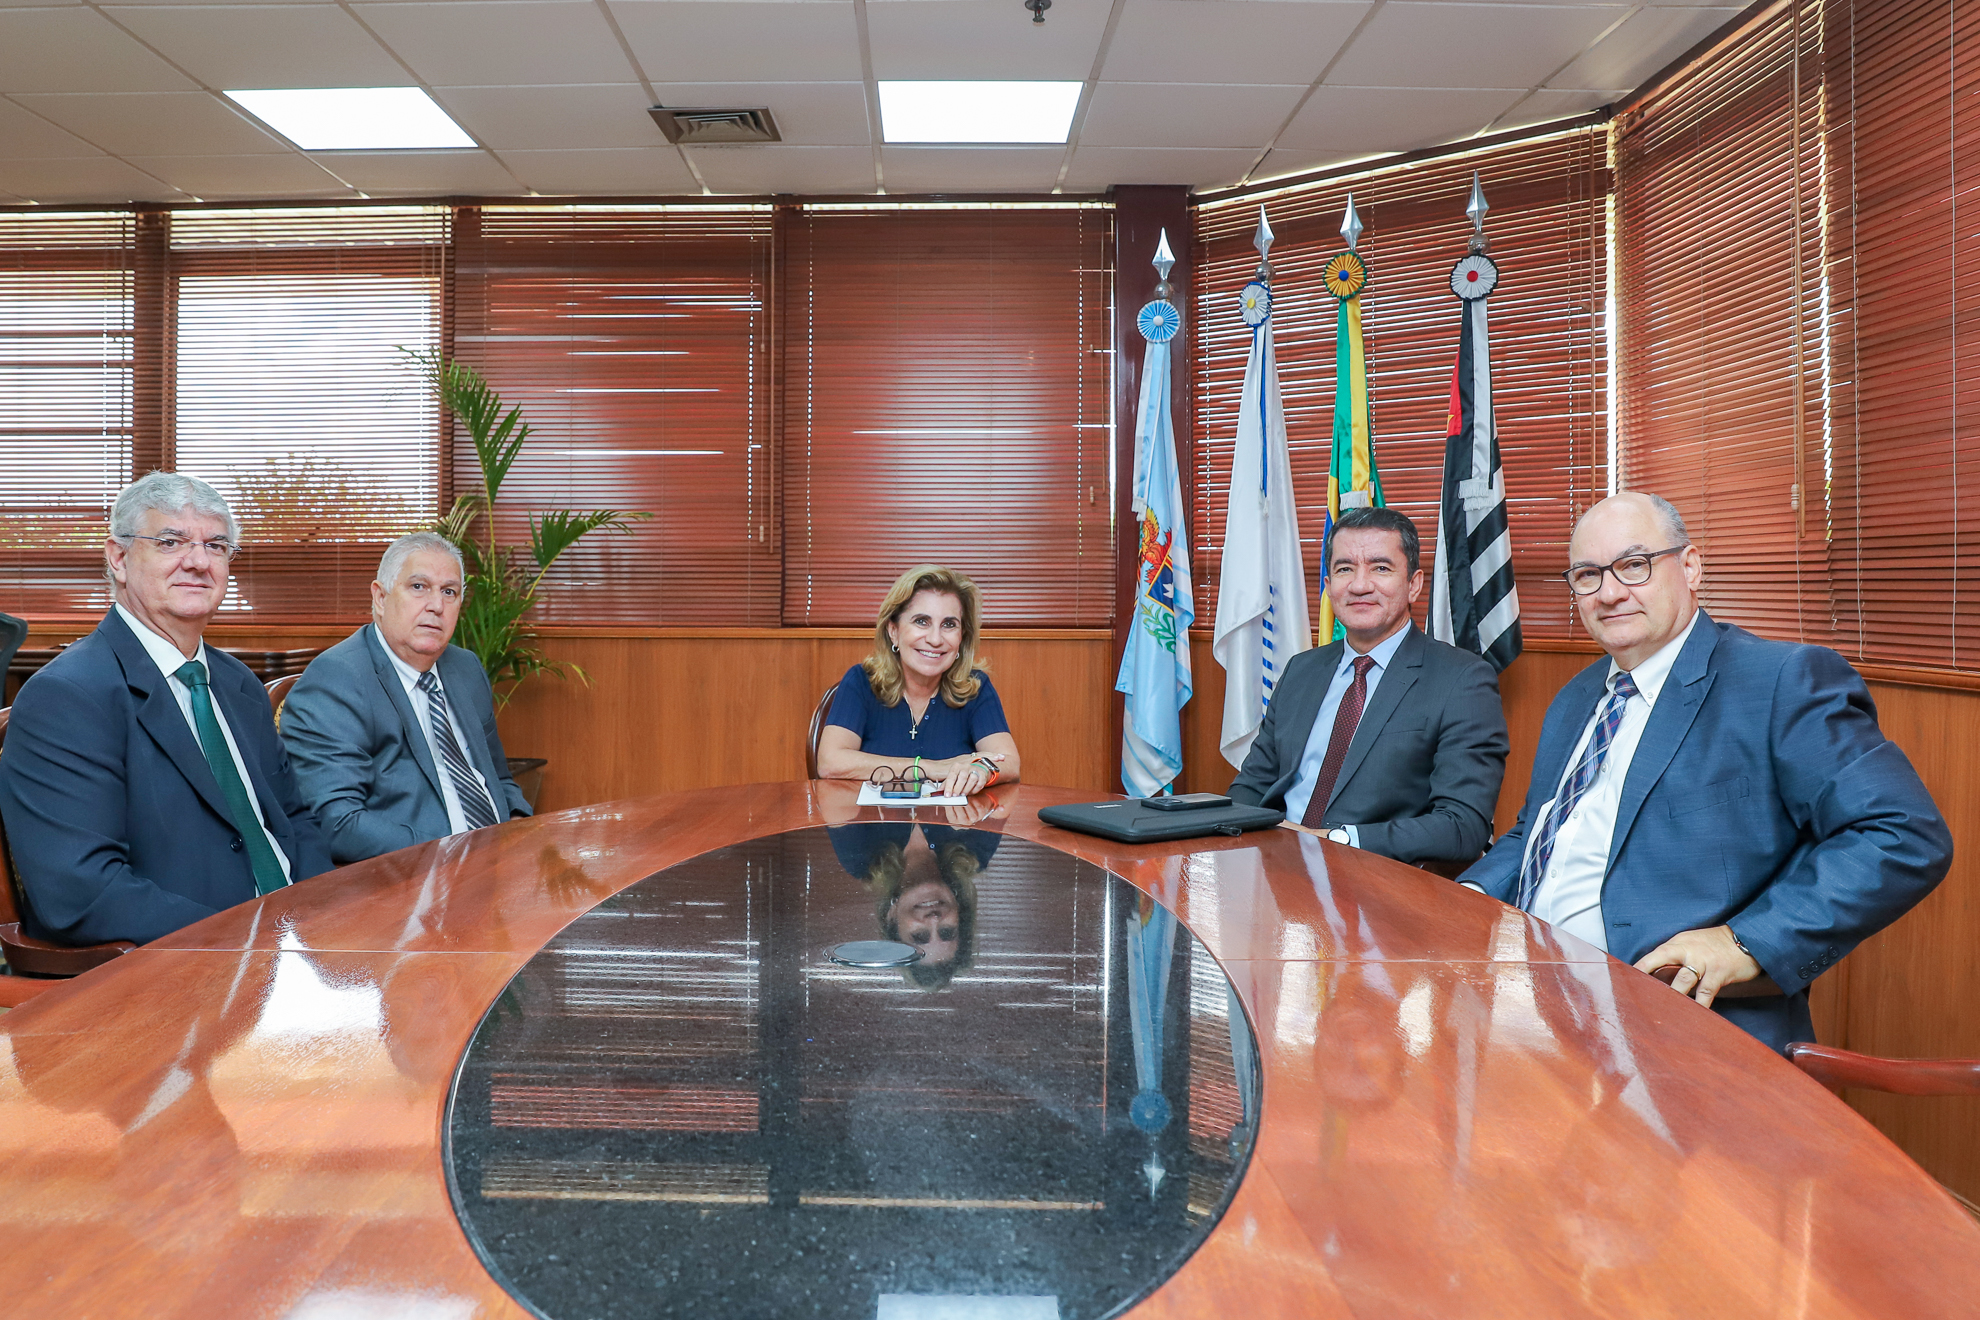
(977, 111)
(355, 118)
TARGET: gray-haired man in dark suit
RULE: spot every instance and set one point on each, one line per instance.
(1388, 741)
(392, 730)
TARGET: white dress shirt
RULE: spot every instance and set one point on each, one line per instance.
(167, 656)
(1315, 754)
(422, 710)
(1570, 893)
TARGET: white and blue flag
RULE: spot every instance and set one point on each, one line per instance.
(1155, 667)
(1261, 599)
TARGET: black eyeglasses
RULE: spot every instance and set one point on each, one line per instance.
(909, 783)
(174, 546)
(1631, 570)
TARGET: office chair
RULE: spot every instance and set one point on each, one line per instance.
(13, 632)
(278, 692)
(818, 714)
(1836, 1068)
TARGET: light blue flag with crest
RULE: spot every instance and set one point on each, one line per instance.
(1155, 667)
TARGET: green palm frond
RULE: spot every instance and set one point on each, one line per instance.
(503, 581)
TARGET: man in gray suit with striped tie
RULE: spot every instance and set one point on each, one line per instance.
(392, 730)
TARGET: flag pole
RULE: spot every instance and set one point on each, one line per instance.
(1352, 479)
(1474, 602)
(1155, 667)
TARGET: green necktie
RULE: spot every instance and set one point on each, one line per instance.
(268, 875)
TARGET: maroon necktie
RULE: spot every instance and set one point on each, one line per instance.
(1345, 720)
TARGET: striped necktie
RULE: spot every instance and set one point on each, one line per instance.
(1574, 788)
(1347, 718)
(268, 875)
(475, 805)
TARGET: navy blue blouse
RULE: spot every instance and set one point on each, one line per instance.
(944, 731)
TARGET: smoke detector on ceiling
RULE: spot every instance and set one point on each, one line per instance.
(696, 127)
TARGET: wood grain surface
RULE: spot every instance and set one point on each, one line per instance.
(1464, 1114)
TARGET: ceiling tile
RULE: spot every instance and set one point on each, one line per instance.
(1186, 115)
(1280, 163)
(241, 46)
(97, 179)
(992, 39)
(693, 41)
(218, 178)
(777, 168)
(630, 172)
(807, 114)
(1365, 120)
(1227, 42)
(1095, 169)
(24, 136)
(466, 43)
(1468, 45)
(77, 50)
(1650, 39)
(1551, 103)
(971, 169)
(157, 124)
(421, 173)
(589, 115)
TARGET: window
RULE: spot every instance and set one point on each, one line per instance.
(66, 293)
(636, 341)
(294, 395)
(1546, 227)
(946, 399)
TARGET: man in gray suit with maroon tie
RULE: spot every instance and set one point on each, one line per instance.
(1387, 740)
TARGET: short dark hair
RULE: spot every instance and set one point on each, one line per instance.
(1380, 520)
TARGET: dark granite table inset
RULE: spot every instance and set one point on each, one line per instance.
(681, 1107)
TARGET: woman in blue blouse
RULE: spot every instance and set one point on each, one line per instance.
(922, 696)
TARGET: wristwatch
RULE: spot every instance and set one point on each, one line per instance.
(1339, 834)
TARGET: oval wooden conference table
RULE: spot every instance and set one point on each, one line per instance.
(1463, 1114)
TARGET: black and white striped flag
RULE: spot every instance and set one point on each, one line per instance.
(1473, 603)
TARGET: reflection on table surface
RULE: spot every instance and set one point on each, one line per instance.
(681, 1106)
(1460, 1114)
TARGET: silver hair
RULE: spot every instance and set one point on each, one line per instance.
(396, 554)
(1673, 520)
(168, 492)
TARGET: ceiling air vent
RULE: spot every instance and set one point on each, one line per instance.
(695, 127)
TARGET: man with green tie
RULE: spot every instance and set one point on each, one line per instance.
(142, 785)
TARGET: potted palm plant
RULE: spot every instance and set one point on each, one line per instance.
(505, 581)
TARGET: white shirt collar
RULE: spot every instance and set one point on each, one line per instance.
(407, 674)
(163, 652)
(1651, 673)
(1383, 652)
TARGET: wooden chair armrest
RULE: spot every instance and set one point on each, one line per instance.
(1843, 1068)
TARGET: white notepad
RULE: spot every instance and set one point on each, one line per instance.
(931, 796)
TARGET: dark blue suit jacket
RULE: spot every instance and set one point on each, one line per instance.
(1762, 796)
(116, 823)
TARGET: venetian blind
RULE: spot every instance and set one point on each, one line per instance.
(1721, 265)
(66, 292)
(1546, 227)
(946, 399)
(1904, 84)
(293, 395)
(636, 341)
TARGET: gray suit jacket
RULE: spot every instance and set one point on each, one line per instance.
(1421, 778)
(361, 756)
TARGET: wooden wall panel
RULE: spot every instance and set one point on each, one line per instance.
(691, 710)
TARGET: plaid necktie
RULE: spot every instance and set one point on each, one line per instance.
(268, 875)
(474, 799)
(1579, 781)
(1345, 721)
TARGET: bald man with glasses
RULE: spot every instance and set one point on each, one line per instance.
(142, 783)
(1706, 804)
